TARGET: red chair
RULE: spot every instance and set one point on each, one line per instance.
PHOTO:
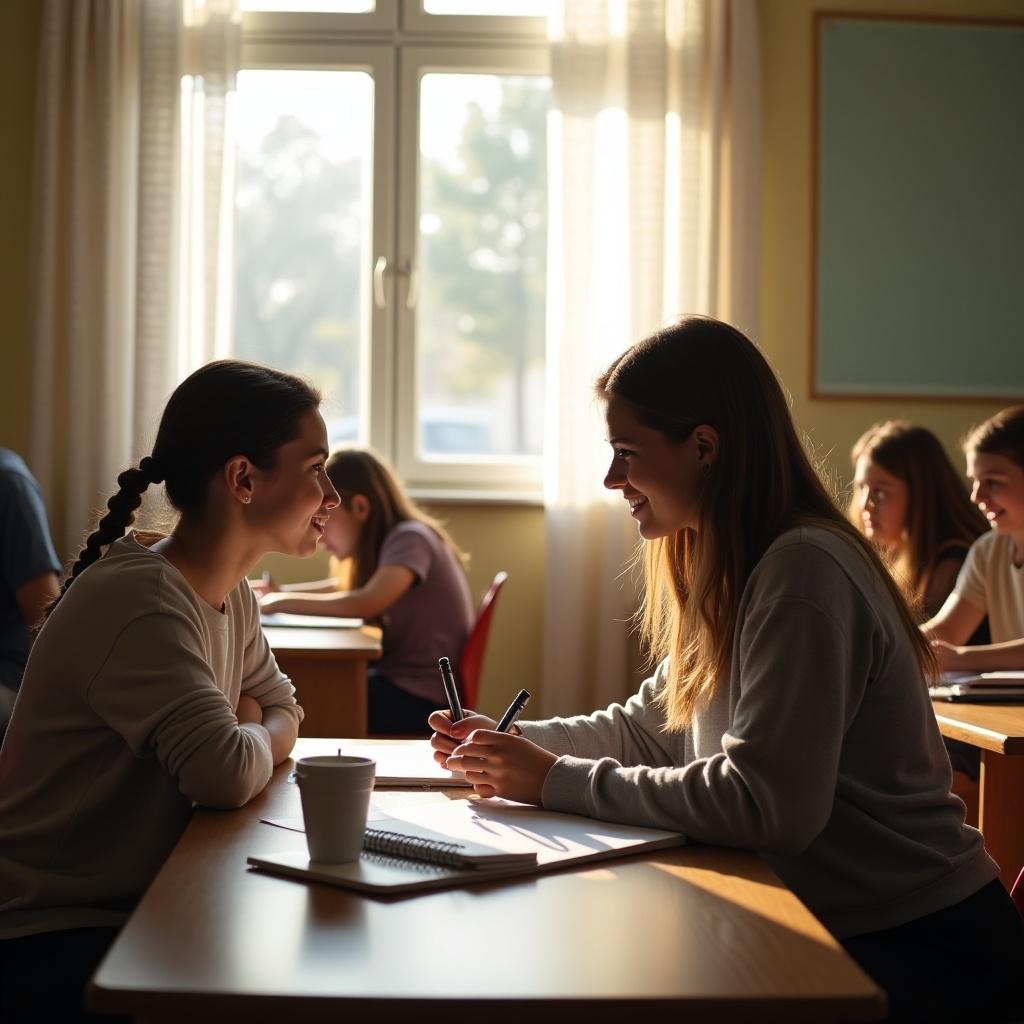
(471, 660)
(1017, 892)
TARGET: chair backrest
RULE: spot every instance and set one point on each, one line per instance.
(1017, 892)
(471, 661)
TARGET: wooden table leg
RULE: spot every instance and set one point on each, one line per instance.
(332, 693)
(1001, 811)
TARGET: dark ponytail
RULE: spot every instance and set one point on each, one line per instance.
(224, 409)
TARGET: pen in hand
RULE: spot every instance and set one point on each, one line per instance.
(451, 691)
(515, 709)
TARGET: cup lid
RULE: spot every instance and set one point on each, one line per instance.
(334, 762)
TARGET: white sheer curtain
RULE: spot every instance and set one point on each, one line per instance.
(132, 208)
(655, 200)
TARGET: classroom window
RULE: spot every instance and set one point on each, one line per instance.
(391, 226)
(302, 220)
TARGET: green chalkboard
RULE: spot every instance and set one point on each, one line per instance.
(918, 209)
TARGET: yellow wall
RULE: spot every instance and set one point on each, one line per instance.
(786, 34)
(20, 22)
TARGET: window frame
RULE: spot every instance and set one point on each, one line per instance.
(514, 473)
(396, 44)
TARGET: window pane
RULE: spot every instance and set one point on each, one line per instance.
(302, 243)
(482, 262)
(506, 8)
(307, 6)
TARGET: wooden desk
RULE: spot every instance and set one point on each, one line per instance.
(998, 730)
(328, 668)
(698, 934)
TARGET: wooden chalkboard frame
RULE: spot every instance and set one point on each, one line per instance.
(821, 19)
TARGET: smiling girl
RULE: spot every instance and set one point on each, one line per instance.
(151, 687)
(788, 713)
(992, 579)
(406, 572)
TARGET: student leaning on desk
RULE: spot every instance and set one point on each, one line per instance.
(789, 713)
(991, 581)
(406, 572)
(151, 686)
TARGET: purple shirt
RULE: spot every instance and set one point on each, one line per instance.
(431, 620)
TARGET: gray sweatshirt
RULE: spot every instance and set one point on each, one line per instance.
(125, 719)
(820, 752)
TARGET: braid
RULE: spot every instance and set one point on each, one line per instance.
(223, 409)
(120, 515)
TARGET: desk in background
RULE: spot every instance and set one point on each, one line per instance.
(696, 934)
(328, 668)
(998, 730)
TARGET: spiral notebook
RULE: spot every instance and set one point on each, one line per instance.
(436, 843)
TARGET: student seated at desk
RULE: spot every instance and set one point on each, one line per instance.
(910, 502)
(991, 581)
(407, 571)
(788, 714)
(150, 686)
(28, 572)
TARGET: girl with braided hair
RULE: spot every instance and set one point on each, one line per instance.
(151, 687)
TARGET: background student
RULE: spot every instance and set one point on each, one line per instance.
(28, 572)
(789, 713)
(912, 504)
(151, 687)
(407, 572)
(992, 579)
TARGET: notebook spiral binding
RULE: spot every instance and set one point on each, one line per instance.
(377, 840)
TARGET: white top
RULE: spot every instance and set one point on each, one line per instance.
(125, 720)
(820, 751)
(991, 582)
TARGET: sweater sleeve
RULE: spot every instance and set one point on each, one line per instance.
(158, 692)
(261, 678)
(632, 732)
(772, 786)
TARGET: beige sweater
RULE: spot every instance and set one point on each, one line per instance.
(124, 721)
(821, 751)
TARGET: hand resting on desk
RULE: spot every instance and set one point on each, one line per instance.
(496, 763)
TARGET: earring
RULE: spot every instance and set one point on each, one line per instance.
(247, 498)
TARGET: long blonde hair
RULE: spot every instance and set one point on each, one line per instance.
(940, 516)
(360, 471)
(761, 484)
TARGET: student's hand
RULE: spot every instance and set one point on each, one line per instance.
(249, 710)
(500, 764)
(951, 658)
(268, 601)
(264, 586)
(448, 735)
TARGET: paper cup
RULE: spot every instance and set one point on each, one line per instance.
(335, 792)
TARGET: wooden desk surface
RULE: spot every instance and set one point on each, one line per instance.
(703, 933)
(998, 727)
(329, 670)
(295, 642)
(998, 731)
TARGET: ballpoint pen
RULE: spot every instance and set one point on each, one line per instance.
(451, 691)
(515, 709)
